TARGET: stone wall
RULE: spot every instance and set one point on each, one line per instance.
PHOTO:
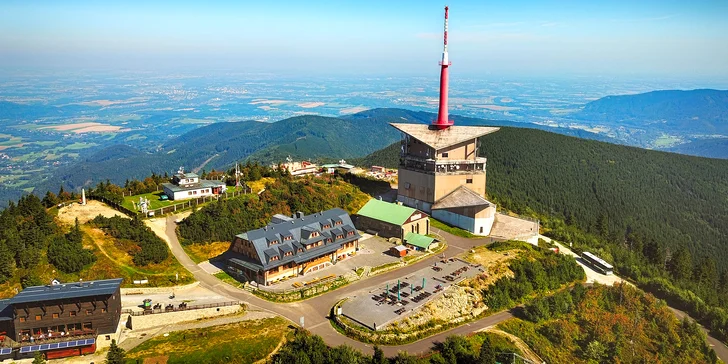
(164, 319)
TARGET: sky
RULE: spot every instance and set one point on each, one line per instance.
(686, 39)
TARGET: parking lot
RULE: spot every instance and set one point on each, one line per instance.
(396, 299)
(373, 251)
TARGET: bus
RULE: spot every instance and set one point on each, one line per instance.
(597, 263)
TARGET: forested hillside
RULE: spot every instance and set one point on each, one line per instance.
(712, 148)
(222, 220)
(600, 324)
(302, 137)
(693, 111)
(612, 190)
(30, 238)
(607, 189)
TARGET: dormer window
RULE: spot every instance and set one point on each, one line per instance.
(275, 257)
(350, 233)
(339, 236)
(288, 254)
(327, 226)
(273, 242)
(338, 223)
(314, 234)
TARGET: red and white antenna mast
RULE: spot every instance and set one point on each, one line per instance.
(442, 121)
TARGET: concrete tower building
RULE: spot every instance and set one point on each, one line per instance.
(440, 171)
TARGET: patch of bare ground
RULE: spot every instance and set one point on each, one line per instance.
(84, 213)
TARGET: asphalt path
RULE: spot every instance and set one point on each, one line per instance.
(316, 310)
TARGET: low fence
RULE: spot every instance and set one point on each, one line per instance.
(115, 206)
(178, 308)
(186, 204)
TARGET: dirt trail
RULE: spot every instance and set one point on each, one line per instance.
(522, 346)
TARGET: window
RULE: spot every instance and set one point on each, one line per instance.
(55, 315)
(468, 180)
(89, 312)
(87, 326)
(406, 185)
(288, 254)
(37, 317)
(103, 310)
(72, 313)
(444, 155)
(481, 229)
(327, 226)
(189, 193)
(22, 319)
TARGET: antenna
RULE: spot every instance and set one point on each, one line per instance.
(237, 176)
(442, 121)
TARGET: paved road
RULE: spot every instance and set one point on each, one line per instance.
(721, 350)
(315, 310)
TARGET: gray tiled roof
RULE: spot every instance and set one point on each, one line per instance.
(300, 229)
(104, 287)
(461, 197)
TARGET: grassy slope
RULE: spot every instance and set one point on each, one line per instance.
(111, 262)
(242, 342)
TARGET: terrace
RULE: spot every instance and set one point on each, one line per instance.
(395, 300)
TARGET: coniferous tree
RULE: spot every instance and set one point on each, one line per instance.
(116, 355)
(39, 358)
(681, 264)
(487, 353)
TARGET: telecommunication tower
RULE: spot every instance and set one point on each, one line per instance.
(442, 121)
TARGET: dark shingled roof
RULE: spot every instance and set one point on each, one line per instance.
(104, 287)
(300, 228)
(461, 197)
(6, 310)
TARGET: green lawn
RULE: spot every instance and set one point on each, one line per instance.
(241, 342)
(153, 197)
(451, 229)
(223, 276)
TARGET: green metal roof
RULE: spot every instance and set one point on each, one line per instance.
(385, 211)
(418, 240)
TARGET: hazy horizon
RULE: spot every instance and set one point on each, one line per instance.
(527, 38)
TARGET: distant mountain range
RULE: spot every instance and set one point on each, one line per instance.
(694, 111)
(320, 138)
(220, 145)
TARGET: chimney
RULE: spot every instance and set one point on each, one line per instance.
(299, 214)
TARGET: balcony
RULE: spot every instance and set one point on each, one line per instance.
(440, 167)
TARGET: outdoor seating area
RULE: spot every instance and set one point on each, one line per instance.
(380, 307)
(49, 335)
